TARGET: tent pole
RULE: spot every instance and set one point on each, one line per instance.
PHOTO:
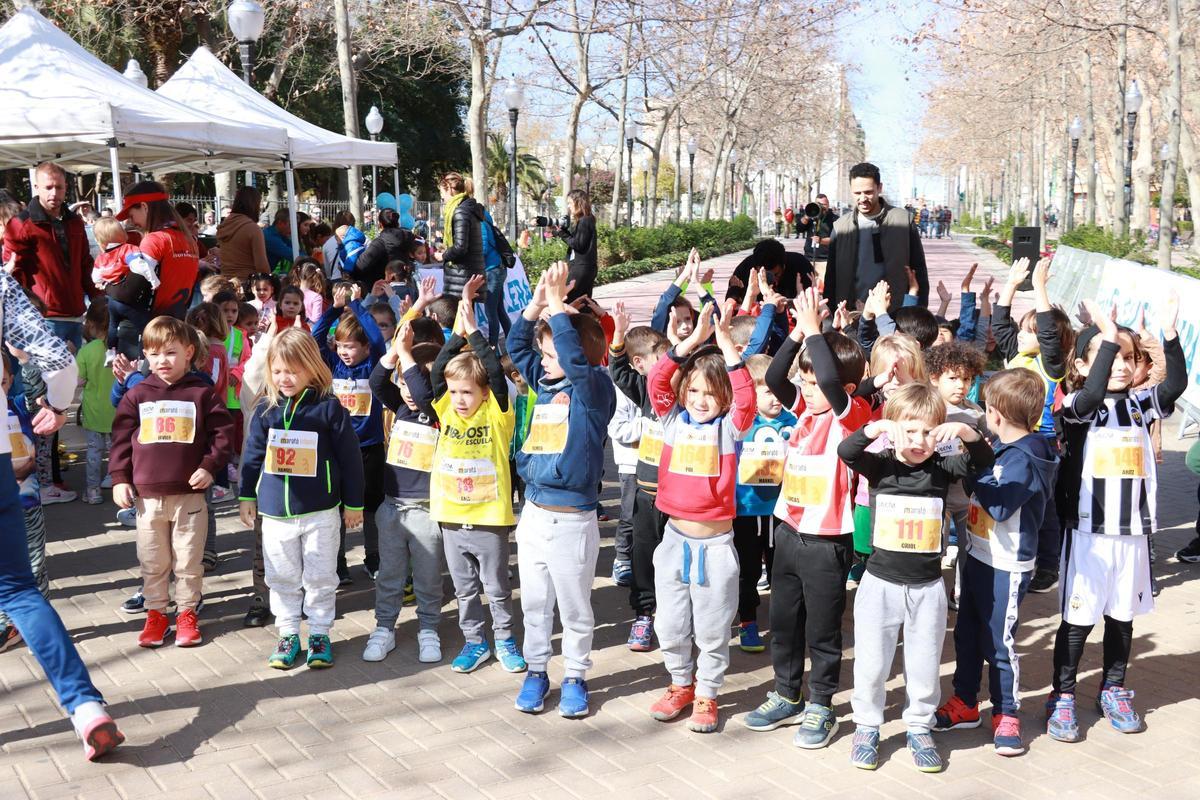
(32, 181)
(396, 176)
(114, 160)
(291, 200)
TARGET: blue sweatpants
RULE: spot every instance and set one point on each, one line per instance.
(986, 631)
(37, 621)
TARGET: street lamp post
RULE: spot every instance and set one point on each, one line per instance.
(514, 98)
(374, 126)
(246, 20)
(692, 146)
(734, 155)
(1133, 103)
(133, 71)
(587, 164)
(631, 133)
(645, 191)
(1075, 131)
(1166, 223)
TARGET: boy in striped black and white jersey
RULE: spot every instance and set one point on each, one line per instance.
(1110, 481)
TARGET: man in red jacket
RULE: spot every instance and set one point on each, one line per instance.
(53, 257)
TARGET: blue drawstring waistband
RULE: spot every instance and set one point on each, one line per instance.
(686, 572)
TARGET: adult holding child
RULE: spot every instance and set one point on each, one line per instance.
(167, 244)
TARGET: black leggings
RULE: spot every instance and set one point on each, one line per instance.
(374, 457)
(1068, 650)
(751, 536)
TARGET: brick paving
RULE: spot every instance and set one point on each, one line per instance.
(215, 722)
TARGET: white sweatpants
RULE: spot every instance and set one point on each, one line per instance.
(300, 556)
(696, 585)
(556, 558)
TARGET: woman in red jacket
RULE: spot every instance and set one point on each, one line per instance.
(167, 242)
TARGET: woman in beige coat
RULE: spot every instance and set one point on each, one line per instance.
(243, 250)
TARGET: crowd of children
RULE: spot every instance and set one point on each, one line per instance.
(760, 443)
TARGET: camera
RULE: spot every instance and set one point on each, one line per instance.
(547, 222)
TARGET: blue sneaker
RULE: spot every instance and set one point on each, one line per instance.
(817, 729)
(510, 655)
(533, 693)
(622, 573)
(1061, 722)
(1116, 704)
(773, 713)
(471, 657)
(127, 517)
(925, 755)
(749, 639)
(641, 635)
(135, 604)
(573, 698)
(864, 750)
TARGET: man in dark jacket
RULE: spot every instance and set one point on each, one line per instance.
(874, 242)
(819, 228)
(464, 258)
(390, 245)
(53, 257)
(787, 271)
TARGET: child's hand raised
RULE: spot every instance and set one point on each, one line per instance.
(966, 282)
(724, 334)
(1106, 322)
(673, 334)
(620, 322)
(1168, 316)
(1018, 272)
(879, 300)
(1041, 274)
(426, 293)
(404, 338)
(809, 305)
(341, 294)
(914, 286)
(841, 317)
(555, 286)
(701, 333)
(472, 287)
(942, 292)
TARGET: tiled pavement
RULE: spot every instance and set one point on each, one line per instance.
(215, 722)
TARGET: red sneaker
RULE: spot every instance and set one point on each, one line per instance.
(672, 704)
(155, 631)
(187, 630)
(954, 714)
(704, 715)
(100, 737)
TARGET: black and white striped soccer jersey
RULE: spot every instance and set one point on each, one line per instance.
(1108, 473)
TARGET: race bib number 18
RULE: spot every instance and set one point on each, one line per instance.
(468, 481)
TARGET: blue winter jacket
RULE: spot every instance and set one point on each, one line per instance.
(370, 427)
(1009, 503)
(279, 247)
(339, 468)
(570, 478)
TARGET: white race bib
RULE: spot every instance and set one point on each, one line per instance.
(291, 453)
(908, 524)
(167, 421)
(468, 481)
(1117, 454)
(18, 442)
(761, 463)
(354, 395)
(650, 446)
(411, 446)
(807, 479)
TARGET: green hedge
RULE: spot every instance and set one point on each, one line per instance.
(644, 266)
(1095, 239)
(617, 246)
(1002, 251)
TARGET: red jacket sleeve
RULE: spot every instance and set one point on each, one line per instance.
(658, 383)
(745, 400)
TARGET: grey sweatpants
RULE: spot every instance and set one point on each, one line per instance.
(881, 609)
(696, 584)
(408, 539)
(478, 562)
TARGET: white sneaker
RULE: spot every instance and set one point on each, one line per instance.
(429, 647)
(951, 557)
(381, 642)
(52, 494)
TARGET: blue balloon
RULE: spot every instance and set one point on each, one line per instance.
(404, 202)
(386, 200)
(406, 220)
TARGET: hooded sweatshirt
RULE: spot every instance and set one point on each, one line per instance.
(1009, 502)
(162, 433)
(243, 249)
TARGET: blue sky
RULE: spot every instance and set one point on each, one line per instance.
(886, 80)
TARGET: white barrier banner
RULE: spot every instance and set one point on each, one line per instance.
(1133, 287)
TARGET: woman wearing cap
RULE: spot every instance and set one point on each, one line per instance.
(167, 242)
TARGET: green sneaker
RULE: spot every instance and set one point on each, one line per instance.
(320, 651)
(287, 650)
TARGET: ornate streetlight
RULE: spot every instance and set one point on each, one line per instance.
(1133, 103)
(692, 146)
(246, 21)
(374, 122)
(631, 133)
(133, 71)
(514, 98)
(1075, 131)
(587, 163)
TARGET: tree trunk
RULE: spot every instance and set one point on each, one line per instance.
(1143, 169)
(1121, 221)
(476, 130)
(716, 173)
(1172, 113)
(614, 213)
(568, 176)
(349, 100)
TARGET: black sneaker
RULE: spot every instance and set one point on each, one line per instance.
(259, 614)
(371, 565)
(1043, 581)
(135, 604)
(1190, 553)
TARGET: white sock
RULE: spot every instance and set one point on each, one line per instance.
(85, 714)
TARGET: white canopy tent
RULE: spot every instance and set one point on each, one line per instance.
(63, 104)
(205, 81)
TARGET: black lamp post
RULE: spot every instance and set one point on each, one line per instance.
(1075, 131)
(374, 123)
(587, 164)
(733, 159)
(514, 98)
(645, 191)
(1133, 103)
(631, 133)
(246, 21)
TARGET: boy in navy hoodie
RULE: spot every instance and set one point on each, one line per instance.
(561, 461)
(357, 347)
(1003, 519)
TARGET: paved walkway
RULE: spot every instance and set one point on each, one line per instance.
(215, 722)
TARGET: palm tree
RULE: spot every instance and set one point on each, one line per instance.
(531, 176)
